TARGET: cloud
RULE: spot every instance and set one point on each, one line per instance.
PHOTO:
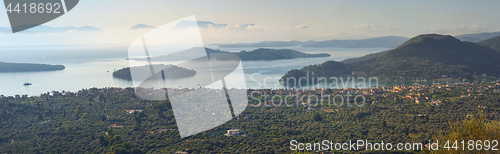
(302, 27)
(473, 28)
(457, 30)
(368, 27)
(211, 25)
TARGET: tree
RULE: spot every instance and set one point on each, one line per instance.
(40, 117)
(57, 150)
(317, 117)
(135, 127)
(78, 111)
(475, 129)
(110, 132)
(103, 118)
(117, 139)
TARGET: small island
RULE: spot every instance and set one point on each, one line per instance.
(170, 71)
(257, 54)
(28, 67)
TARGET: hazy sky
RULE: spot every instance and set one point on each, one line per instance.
(290, 20)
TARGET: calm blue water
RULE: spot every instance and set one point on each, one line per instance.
(93, 66)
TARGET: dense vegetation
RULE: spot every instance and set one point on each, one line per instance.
(26, 67)
(474, 128)
(170, 71)
(95, 120)
(426, 56)
(257, 54)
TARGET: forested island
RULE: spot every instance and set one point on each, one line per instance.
(170, 71)
(257, 54)
(27, 67)
(429, 56)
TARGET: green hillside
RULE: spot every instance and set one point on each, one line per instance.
(493, 43)
(427, 56)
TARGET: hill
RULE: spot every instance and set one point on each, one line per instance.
(26, 67)
(477, 36)
(428, 56)
(493, 43)
(257, 54)
(171, 71)
(376, 42)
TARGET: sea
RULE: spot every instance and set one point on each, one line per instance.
(93, 66)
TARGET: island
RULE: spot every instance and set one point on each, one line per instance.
(171, 71)
(28, 67)
(257, 54)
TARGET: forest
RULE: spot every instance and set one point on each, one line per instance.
(114, 120)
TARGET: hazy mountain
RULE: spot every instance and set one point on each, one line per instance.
(25, 67)
(428, 56)
(382, 42)
(274, 54)
(493, 43)
(257, 54)
(266, 44)
(385, 42)
(87, 28)
(477, 36)
(141, 26)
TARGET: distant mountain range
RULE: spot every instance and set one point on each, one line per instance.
(257, 54)
(26, 67)
(382, 42)
(266, 44)
(375, 42)
(477, 36)
(428, 56)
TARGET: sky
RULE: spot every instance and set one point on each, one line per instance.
(273, 20)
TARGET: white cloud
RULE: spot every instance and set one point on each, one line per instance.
(457, 30)
(302, 27)
(368, 27)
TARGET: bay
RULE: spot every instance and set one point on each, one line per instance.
(93, 67)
